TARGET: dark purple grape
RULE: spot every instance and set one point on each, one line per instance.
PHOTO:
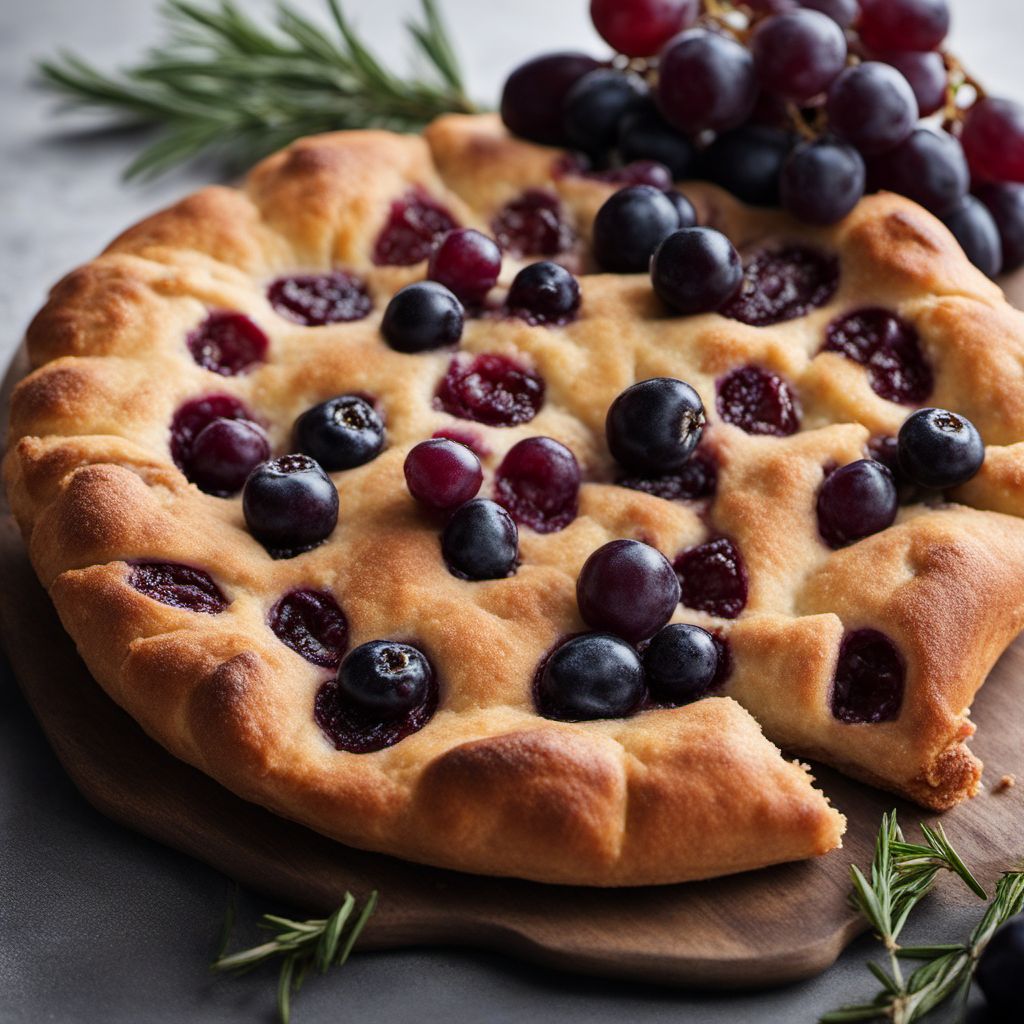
(993, 139)
(654, 426)
(771, 110)
(630, 226)
(886, 450)
(855, 501)
(685, 212)
(842, 12)
(639, 28)
(695, 270)
(903, 24)
(590, 677)
(999, 968)
(928, 167)
(442, 473)
(798, 54)
(384, 680)
(975, 229)
(748, 161)
(467, 263)
(531, 101)
(681, 663)
(594, 106)
(871, 106)
(1005, 201)
(713, 578)
(822, 181)
(352, 719)
(926, 73)
(758, 401)
(645, 135)
(480, 541)
(224, 453)
(544, 293)
(706, 81)
(538, 482)
(290, 504)
(869, 680)
(422, 316)
(939, 449)
(627, 588)
(341, 433)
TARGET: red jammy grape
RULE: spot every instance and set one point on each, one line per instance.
(639, 28)
(706, 81)
(993, 139)
(903, 24)
(798, 54)
(926, 73)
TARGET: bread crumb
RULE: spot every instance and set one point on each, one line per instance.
(1005, 783)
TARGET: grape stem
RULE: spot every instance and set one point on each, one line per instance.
(956, 78)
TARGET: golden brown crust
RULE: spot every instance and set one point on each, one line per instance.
(487, 785)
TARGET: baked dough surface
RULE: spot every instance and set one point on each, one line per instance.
(487, 785)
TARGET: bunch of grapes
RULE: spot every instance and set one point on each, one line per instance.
(807, 104)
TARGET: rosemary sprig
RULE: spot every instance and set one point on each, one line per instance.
(222, 82)
(902, 874)
(318, 944)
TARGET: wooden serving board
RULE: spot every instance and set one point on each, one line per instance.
(763, 927)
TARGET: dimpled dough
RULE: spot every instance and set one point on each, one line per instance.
(488, 785)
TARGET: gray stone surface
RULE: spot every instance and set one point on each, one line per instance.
(99, 924)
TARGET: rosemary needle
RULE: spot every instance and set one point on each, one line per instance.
(223, 83)
(317, 944)
(901, 875)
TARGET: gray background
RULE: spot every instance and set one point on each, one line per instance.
(99, 924)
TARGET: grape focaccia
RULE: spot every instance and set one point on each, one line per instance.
(866, 657)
